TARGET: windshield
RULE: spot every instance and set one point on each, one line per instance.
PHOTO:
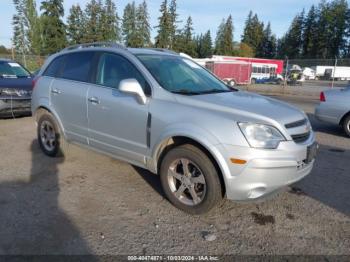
(12, 70)
(181, 75)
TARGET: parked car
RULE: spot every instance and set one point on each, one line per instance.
(165, 113)
(15, 89)
(334, 108)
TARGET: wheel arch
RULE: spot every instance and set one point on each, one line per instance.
(342, 119)
(42, 108)
(176, 140)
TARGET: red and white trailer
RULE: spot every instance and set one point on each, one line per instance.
(232, 72)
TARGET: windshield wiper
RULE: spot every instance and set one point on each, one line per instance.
(185, 92)
(212, 91)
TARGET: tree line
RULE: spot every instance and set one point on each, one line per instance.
(322, 32)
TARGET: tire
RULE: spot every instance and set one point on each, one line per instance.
(202, 179)
(253, 81)
(50, 138)
(346, 125)
(231, 83)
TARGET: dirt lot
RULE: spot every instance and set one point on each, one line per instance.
(88, 203)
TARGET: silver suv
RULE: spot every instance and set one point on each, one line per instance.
(163, 112)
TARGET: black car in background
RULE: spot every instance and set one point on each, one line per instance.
(15, 89)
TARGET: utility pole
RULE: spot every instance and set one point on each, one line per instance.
(285, 73)
(335, 67)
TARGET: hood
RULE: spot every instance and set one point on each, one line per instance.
(247, 106)
(16, 83)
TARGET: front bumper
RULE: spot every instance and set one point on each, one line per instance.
(265, 171)
(15, 106)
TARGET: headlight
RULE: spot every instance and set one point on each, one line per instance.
(261, 136)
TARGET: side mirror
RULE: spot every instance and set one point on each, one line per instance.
(132, 86)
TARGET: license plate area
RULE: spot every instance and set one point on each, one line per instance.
(311, 152)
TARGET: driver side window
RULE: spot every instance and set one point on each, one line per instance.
(112, 69)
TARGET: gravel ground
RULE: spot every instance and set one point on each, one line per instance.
(87, 203)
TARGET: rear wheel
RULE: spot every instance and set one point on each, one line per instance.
(253, 81)
(190, 180)
(346, 125)
(231, 83)
(50, 139)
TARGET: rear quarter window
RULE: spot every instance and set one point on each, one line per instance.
(54, 68)
(77, 66)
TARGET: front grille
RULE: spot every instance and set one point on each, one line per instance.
(300, 138)
(296, 123)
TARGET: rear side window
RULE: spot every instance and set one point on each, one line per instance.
(54, 67)
(77, 66)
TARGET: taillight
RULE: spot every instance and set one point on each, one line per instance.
(322, 97)
(34, 80)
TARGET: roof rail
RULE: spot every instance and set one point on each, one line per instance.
(95, 44)
(162, 50)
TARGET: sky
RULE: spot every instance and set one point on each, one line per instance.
(206, 14)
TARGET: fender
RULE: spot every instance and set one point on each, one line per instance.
(44, 103)
(208, 140)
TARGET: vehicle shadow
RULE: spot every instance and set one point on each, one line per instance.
(330, 129)
(329, 180)
(31, 220)
(152, 179)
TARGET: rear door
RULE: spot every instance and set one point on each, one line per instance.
(117, 121)
(68, 94)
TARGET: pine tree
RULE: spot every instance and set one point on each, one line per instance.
(292, 41)
(33, 27)
(19, 39)
(93, 22)
(75, 25)
(53, 28)
(163, 39)
(268, 45)
(219, 38)
(129, 27)
(309, 38)
(228, 48)
(173, 15)
(143, 25)
(204, 45)
(110, 22)
(253, 33)
(185, 41)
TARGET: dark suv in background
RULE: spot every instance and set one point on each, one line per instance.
(15, 89)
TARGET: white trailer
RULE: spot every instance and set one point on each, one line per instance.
(321, 70)
(341, 73)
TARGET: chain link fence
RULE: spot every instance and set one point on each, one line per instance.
(31, 62)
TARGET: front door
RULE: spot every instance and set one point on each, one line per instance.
(117, 121)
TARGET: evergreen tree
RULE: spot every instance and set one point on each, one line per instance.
(129, 28)
(204, 45)
(75, 25)
(253, 33)
(309, 38)
(19, 39)
(292, 41)
(173, 23)
(53, 28)
(93, 22)
(33, 27)
(224, 38)
(163, 39)
(185, 41)
(143, 25)
(268, 45)
(110, 22)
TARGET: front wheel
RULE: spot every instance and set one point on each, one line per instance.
(190, 180)
(346, 125)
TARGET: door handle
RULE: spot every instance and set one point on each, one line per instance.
(56, 91)
(94, 100)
